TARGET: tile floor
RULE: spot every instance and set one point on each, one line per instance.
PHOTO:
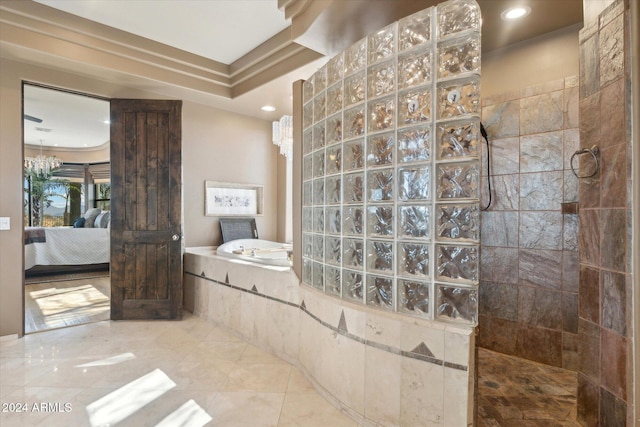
(517, 392)
(153, 373)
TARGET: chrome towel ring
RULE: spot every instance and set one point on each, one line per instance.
(595, 152)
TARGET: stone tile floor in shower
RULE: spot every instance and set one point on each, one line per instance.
(518, 392)
(153, 373)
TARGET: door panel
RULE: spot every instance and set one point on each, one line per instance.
(146, 209)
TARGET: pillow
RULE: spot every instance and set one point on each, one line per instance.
(79, 222)
(90, 217)
(102, 220)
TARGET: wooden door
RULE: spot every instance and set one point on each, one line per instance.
(146, 209)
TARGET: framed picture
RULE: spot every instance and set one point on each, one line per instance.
(225, 199)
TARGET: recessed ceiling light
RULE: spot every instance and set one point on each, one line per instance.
(268, 108)
(515, 13)
(106, 122)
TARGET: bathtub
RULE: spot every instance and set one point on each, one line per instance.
(257, 250)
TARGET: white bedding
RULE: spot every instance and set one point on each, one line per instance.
(69, 246)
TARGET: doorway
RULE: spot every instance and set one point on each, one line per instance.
(67, 202)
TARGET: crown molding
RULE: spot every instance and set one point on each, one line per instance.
(36, 27)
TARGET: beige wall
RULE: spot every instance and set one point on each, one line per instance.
(217, 146)
(543, 59)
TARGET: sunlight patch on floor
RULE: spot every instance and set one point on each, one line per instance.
(119, 404)
(190, 414)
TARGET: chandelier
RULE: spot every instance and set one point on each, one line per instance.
(282, 135)
(41, 165)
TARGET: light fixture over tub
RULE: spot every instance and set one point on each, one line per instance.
(282, 135)
(41, 165)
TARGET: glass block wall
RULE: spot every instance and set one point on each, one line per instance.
(391, 170)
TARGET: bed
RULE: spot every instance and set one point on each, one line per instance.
(65, 249)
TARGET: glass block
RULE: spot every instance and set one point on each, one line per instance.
(381, 113)
(380, 149)
(458, 139)
(307, 169)
(457, 263)
(458, 98)
(353, 155)
(334, 99)
(307, 113)
(307, 245)
(380, 221)
(353, 187)
(353, 123)
(332, 280)
(458, 15)
(333, 220)
(414, 30)
(382, 79)
(319, 107)
(320, 80)
(307, 271)
(458, 181)
(352, 284)
(318, 275)
(414, 106)
(458, 304)
(353, 220)
(318, 136)
(318, 163)
(318, 220)
(414, 183)
(414, 69)
(413, 297)
(380, 185)
(380, 256)
(307, 90)
(307, 193)
(458, 222)
(354, 89)
(413, 221)
(333, 159)
(332, 249)
(413, 259)
(380, 292)
(318, 247)
(307, 219)
(307, 141)
(334, 129)
(332, 187)
(352, 253)
(335, 69)
(355, 57)
(459, 56)
(414, 144)
(381, 44)
(318, 191)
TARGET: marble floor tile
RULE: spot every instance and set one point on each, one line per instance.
(158, 373)
(518, 392)
(311, 410)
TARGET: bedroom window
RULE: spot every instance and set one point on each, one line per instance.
(103, 196)
(51, 201)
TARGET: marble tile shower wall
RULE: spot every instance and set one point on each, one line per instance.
(390, 213)
(529, 262)
(605, 372)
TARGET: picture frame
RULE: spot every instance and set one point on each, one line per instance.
(228, 199)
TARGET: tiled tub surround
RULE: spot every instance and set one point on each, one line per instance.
(391, 169)
(381, 368)
(529, 263)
